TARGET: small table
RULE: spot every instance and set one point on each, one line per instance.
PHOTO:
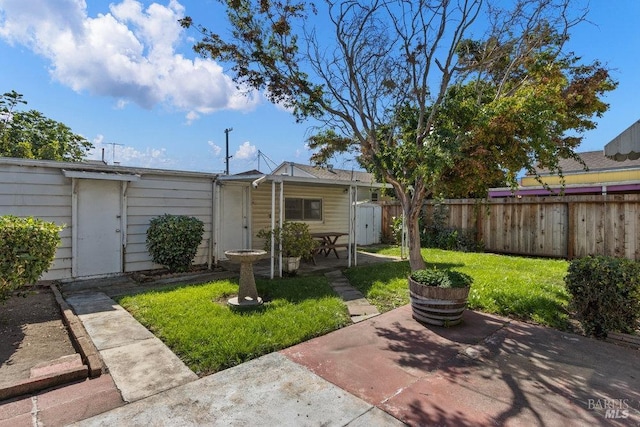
(328, 242)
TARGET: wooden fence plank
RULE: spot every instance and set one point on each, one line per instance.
(564, 226)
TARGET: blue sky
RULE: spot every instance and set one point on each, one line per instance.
(122, 74)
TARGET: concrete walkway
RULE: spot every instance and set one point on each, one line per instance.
(140, 364)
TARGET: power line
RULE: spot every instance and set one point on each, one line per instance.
(267, 161)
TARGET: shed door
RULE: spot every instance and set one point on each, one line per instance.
(369, 217)
(234, 218)
(98, 237)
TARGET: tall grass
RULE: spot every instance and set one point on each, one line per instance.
(530, 289)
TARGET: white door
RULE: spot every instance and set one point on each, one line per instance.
(98, 234)
(369, 217)
(234, 218)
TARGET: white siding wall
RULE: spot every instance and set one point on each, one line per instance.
(335, 208)
(155, 195)
(42, 193)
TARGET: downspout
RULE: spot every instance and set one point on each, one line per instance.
(216, 221)
(355, 227)
(212, 232)
(351, 229)
(74, 227)
(273, 225)
(123, 225)
(281, 213)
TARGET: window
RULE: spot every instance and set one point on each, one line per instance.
(303, 209)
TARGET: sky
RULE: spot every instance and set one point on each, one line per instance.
(123, 74)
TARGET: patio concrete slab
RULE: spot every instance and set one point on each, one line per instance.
(487, 371)
(145, 368)
(271, 390)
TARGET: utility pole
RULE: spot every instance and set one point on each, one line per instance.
(227, 157)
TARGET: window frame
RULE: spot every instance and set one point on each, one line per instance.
(305, 216)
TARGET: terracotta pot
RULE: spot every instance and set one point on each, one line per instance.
(437, 306)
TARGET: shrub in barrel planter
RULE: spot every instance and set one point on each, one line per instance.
(439, 297)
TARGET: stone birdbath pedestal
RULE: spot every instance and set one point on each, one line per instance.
(247, 294)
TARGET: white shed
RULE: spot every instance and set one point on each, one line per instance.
(105, 210)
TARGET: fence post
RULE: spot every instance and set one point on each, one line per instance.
(571, 227)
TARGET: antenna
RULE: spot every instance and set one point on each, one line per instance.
(267, 161)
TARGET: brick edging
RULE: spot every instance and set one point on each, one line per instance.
(81, 340)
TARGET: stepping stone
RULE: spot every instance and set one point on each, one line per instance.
(359, 308)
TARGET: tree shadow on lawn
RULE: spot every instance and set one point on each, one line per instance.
(293, 289)
(546, 308)
(388, 272)
(535, 308)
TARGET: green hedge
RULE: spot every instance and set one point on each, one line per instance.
(605, 294)
(27, 248)
(173, 240)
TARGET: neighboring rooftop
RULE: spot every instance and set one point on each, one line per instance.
(596, 161)
(626, 145)
(329, 172)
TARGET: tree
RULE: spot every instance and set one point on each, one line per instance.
(437, 95)
(31, 135)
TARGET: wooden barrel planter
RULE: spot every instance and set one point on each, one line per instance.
(437, 306)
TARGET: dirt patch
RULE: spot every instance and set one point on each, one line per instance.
(32, 333)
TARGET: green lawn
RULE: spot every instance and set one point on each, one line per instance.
(196, 323)
(530, 289)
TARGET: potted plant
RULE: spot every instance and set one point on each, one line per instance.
(439, 296)
(296, 241)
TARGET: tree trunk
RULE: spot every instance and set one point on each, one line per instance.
(411, 202)
(412, 208)
(413, 233)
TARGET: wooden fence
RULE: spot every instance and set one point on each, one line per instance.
(563, 227)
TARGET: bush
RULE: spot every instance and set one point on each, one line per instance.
(605, 294)
(27, 248)
(438, 235)
(295, 237)
(173, 240)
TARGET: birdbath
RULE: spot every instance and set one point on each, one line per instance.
(247, 294)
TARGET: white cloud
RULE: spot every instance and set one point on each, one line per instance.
(215, 149)
(129, 156)
(246, 152)
(128, 53)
